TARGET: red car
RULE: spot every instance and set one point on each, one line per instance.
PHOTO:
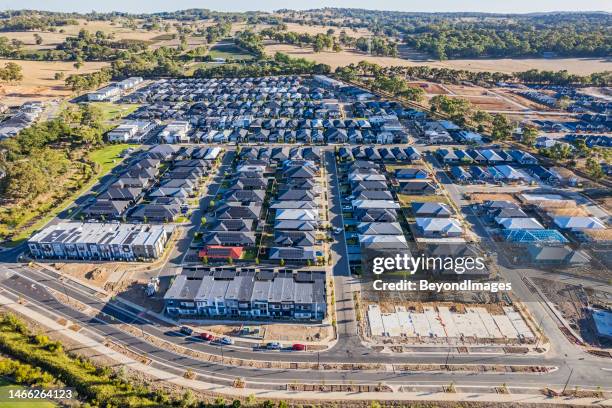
(298, 347)
(206, 336)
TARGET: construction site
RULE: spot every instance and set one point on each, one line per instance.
(448, 323)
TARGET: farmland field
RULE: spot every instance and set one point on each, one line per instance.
(38, 83)
(580, 66)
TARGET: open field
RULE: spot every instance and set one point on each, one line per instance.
(580, 66)
(113, 111)
(50, 40)
(107, 157)
(228, 50)
(38, 83)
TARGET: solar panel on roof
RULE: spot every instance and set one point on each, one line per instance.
(534, 236)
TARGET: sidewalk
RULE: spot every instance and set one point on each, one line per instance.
(397, 394)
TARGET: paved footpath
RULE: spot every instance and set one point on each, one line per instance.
(98, 347)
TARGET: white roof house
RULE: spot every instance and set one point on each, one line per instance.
(439, 226)
(519, 223)
(578, 223)
(491, 156)
(297, 215)
(365, 204)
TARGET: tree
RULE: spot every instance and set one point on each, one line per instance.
(530, 133)
(482, 117)
(38, 39)
(11, 72)
(203, 221)
(563, 102)
(502, 129)
(594, 168)
(58, 76)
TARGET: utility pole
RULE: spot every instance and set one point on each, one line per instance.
(568, 380)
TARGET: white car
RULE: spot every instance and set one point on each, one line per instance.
(226, 340)
(337, 230)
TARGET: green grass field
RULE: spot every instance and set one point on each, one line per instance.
(229, 51)
(108, 156)
(113, 111)
(5, 386)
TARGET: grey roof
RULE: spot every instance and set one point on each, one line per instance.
(245, 196)
(375, 215)
(155, 212)
(233, 211)
(110, 208)
(295, 225)
(379, 228)
(373, 195)
(294, 238)
(231, 225)
(229, 238)
(99, 233)
(297, 253)
(183, 288)
(296, 195)
(293, 205)
(118, 193)
(429, 209)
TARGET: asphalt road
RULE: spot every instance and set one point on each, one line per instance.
(31, 285)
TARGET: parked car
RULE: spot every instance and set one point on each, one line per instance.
(275, 345)
(298, 347)
(186, 330)
(226, 340)
(207, 337)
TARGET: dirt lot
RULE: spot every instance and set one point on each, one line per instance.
(491, 103)
(430, 87)
(102, 275)
(572, 301)
(334, 59)
(38, 83)
(520, 100)
(482, 197)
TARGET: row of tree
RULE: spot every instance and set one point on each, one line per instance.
(319, 42)
(461, 40)
(27, 22)
(251, 42)
(485, 78)
(282, 64)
